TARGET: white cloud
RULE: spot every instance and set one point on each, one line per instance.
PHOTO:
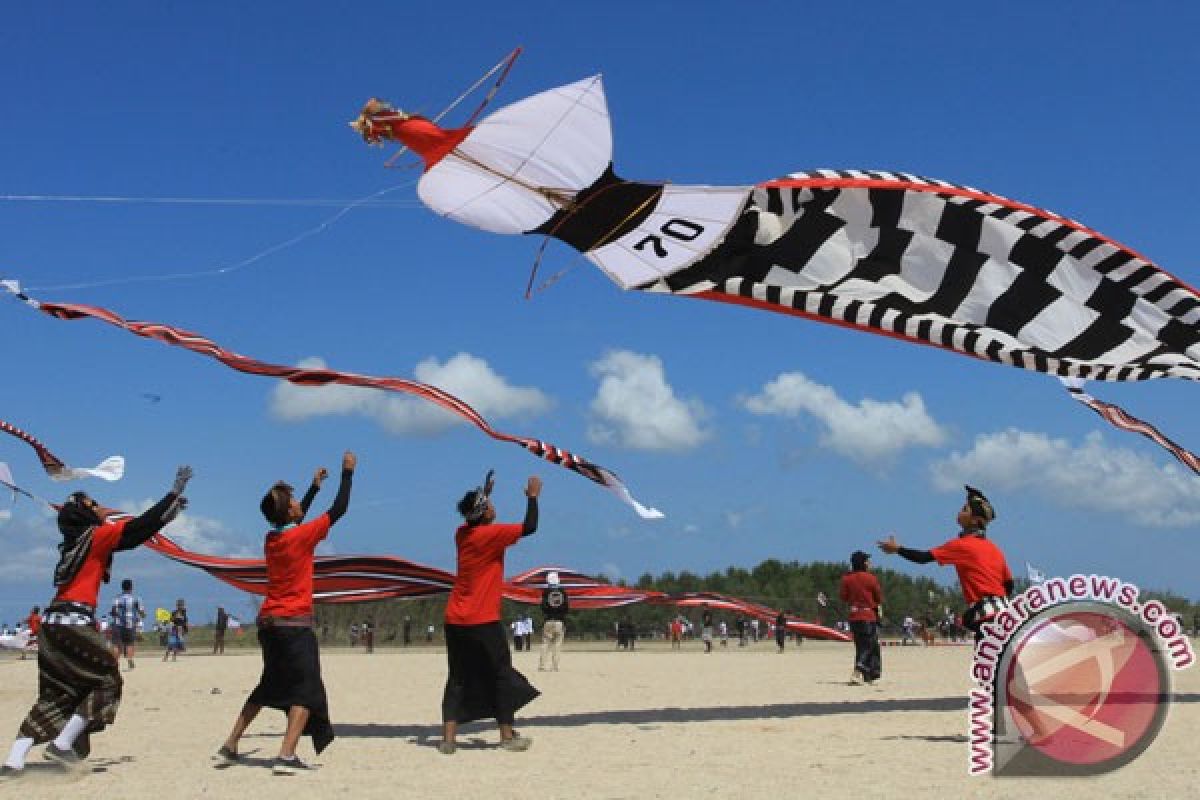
(1089, 476)
(199, 534)
(469, 378)
(636, 408)
(30, 550)
(870, 431)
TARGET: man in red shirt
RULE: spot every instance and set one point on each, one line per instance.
(79, 683)
(982, 569)
(34, 623)
(291, 677)
(861, 593)
(482, 683)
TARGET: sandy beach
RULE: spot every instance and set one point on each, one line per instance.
(741, 722)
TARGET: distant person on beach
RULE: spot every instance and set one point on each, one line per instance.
(555, 607)
(127, 612)
(781, 630)
(407, 630)
(79, 679)
(481, 682)
(34, 623)
(676, 633)
(706, 628)
(177, 635)
(983, 572)
(723, 633)
(219, 629)
(863, 596)
(291, 676)
(368, 635)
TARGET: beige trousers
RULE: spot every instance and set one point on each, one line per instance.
(552, 637)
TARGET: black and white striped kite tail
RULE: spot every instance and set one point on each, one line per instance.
(322, 377)
(940, 264)
(1120, 418)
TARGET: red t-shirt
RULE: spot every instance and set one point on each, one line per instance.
(982, 570)
(290, 568)
(85, 586)
(475, 599)
(35, 624)
(861, 590)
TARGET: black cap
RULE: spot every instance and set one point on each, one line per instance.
(980, 506)
(858, 560)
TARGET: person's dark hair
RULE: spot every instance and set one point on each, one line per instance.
(127, 585)
(858, 560)
(275, 502)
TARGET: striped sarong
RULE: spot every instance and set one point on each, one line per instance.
(77, 674)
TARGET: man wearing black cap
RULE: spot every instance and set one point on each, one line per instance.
(861, 593)
(982, 569)
(482, 683)
(79, 681)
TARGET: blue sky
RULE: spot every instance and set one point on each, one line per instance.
(759, 435)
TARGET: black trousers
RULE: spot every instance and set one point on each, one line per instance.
(867, 658)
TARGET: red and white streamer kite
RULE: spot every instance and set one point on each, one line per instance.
(300, 376)
(110, 469)
(354, 579)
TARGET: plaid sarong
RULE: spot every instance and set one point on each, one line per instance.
(77, 674)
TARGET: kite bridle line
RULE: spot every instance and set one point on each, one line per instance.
(568, 213)
(504, 66)
(37, 499)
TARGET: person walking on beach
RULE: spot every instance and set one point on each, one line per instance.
(127, 612)
(481, 682)
(861, 593)
(676, 633)
(291, 676)
(706, 628)
(983, 572)
(177, 635)
(79, 678)
(555, 607)
(781, 630)
(219, 629)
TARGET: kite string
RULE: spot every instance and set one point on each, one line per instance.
(505, 63)
(275, 248)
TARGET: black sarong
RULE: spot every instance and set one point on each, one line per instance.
(291, 676)
(867, 659)
(77, 674)
(482, 683)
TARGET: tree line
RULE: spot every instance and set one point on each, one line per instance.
(788, 586)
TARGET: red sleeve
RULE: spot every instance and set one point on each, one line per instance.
(949, 553)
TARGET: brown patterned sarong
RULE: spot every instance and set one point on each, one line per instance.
(77, 674)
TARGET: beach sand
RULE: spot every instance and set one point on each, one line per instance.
(741, 722)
